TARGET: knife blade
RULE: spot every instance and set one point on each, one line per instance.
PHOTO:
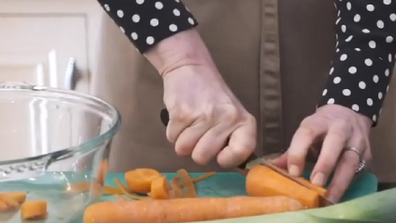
(323, 201)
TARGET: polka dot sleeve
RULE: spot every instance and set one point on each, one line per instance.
(364, 59)
(147, 22)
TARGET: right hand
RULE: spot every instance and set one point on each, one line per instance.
(206, 119)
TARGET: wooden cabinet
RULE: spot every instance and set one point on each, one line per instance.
(49, 42)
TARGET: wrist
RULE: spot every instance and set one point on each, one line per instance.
(182, 49)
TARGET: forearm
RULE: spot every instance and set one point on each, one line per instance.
(363, 64)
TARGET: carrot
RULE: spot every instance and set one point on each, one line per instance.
(103, 171)
(9, 201)
(203, 177)
(4, 207)
(34, 210)
(187, 209)
(139, 180)
(18, 196)
(322, 191)
(85, 186)
(125, 191)
(111, 190)
(159, 188)
(177, 188)
(263, 181)
(188, 183)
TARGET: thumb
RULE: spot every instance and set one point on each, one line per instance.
(280, 161)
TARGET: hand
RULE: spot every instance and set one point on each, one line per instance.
(206, 119)
(337, 127)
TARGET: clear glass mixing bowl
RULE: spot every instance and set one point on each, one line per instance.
(55, 146)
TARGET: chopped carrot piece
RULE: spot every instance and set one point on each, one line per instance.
(187, 182)
(177, 188)
(18, 196)
(34, 210)
(139, 180)
(9, 201)
(263, 181)
(125, 191)
(85, 186)
(3, 206)
(159, 188)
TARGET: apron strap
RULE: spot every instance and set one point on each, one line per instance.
(270, 122)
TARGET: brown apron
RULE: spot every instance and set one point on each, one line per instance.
(274, 54)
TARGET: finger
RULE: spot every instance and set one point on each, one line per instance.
(241, 145)
(332, 147)
(280, 161)
(344, 173)
(210, 144)
(176, 126)
(299, 147)
(188, 138)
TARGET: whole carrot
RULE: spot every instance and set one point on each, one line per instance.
(187, 209)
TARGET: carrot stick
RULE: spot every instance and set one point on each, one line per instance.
(187, 209)
(188, 183)
(177, 188)
(203, 177)
(125, 191)
(159, 188)
(139, 180)
(111, 190)
(263, 181)
(34, 210)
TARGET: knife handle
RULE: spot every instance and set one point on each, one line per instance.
(164, 115)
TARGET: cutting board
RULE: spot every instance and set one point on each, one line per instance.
(233, 184)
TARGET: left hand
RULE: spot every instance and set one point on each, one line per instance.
(337, 127)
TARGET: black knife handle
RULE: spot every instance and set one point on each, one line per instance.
(164, 115)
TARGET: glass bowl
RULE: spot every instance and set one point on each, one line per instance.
(54, 146)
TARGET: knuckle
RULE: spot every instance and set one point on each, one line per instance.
(250, 120)
(199, 159)
(242, 151)
(324, 166)
(231, 114)
(343, 126)
(183, 149)
(306, 122)
(307, 131)
(183, 114)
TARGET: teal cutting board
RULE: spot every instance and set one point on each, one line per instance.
(233, 184)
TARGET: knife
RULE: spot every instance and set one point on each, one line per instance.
(254, 159)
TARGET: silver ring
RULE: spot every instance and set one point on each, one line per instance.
(362, 163)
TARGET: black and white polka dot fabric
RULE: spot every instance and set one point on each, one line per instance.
(147, 22)
(364, 60)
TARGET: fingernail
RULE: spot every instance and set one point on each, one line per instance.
(294, 170)
(318, 179)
